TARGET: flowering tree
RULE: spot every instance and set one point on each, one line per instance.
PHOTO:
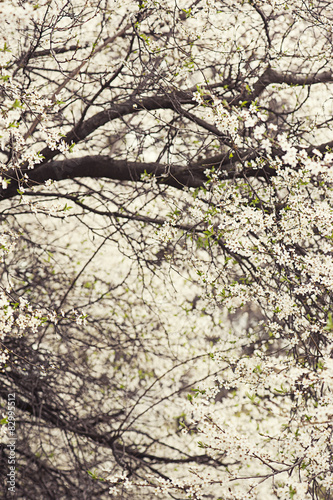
(166, 238)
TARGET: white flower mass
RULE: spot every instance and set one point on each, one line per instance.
(166, 243)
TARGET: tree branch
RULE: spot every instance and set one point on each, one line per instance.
(178, 176)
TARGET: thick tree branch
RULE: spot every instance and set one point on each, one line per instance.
(177, 176)
(174, 101)
(116, 111)
(299, 79)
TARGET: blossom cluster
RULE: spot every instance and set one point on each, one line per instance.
(274, 419)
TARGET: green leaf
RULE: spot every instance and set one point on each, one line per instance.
(17, 104)
(329, 324)
(5, 48)
(93, 475)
